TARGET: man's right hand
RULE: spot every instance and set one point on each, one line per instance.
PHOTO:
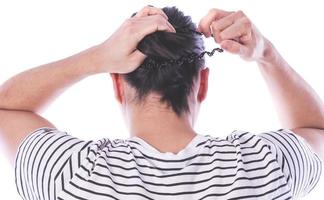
(299, 107)
(235, 32)
(119, 53)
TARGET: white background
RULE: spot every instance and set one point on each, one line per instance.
(37, 32)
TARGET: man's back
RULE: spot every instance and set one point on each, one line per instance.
(156, 61)
(272, 165)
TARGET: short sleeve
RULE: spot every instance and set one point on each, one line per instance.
(299, 163)
(41, 160)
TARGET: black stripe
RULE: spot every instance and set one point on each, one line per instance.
(176, 161)
(85, 169)
(170, 175)
(179, 193)
(57, 174)
(35, 157)
(298, 148)
(231, 145)
(246, 141)
(134, 168)
(311, 165)
(183, 183)
(29, 179)
(134, 142)
(63, 189)
(314, 173)
(22, 167)
(221, 145)
(317, 173)
(311, 156)
(79, 159)
(242, 134)
(297, 177)
(71, 171)
(253, 146)
(259, 195)
(73, 195)
(69, 160)
(213, 140)
(98, 193)
(40, 161)
(249, 187)
(129, 152)
(282, 194)
(48, 160)
(283, 161)
(170, 169)
(26, 152)
(253, 153)
(62, 181)
(179, 160)
(307, 165)
(55, 163)
(277, 140)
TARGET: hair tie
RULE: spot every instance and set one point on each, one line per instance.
(154, 63)
(189, 58)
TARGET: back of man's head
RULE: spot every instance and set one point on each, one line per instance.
(161, 72)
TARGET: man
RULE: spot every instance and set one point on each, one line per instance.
(164, 158)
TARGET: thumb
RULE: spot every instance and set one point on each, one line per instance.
(233, 47)
(137, 57)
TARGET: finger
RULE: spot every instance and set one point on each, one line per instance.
(152, 24)
(158, 19)
(233, 47)
(149, 10)
(171, 28)
(221, 24)
(137, 57)
(246, 38)
(205, 22)
(240, 29)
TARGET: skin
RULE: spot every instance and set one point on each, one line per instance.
(24, 96)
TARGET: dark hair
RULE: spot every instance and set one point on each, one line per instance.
(174, 80)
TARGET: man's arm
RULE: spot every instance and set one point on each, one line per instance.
(33, 89)
(299, 107)
(24, 96)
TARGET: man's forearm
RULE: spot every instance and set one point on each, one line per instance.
(298, 104)
(33, 89)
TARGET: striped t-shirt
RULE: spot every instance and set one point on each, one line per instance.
(51, 164)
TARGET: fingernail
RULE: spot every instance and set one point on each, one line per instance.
(220, 37)
(171, 27)
(225, 46)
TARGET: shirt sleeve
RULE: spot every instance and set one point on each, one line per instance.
(299, 163)
(44, 160)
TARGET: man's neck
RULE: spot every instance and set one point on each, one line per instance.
(162, 129)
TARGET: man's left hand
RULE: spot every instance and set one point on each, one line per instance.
(235, 32)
